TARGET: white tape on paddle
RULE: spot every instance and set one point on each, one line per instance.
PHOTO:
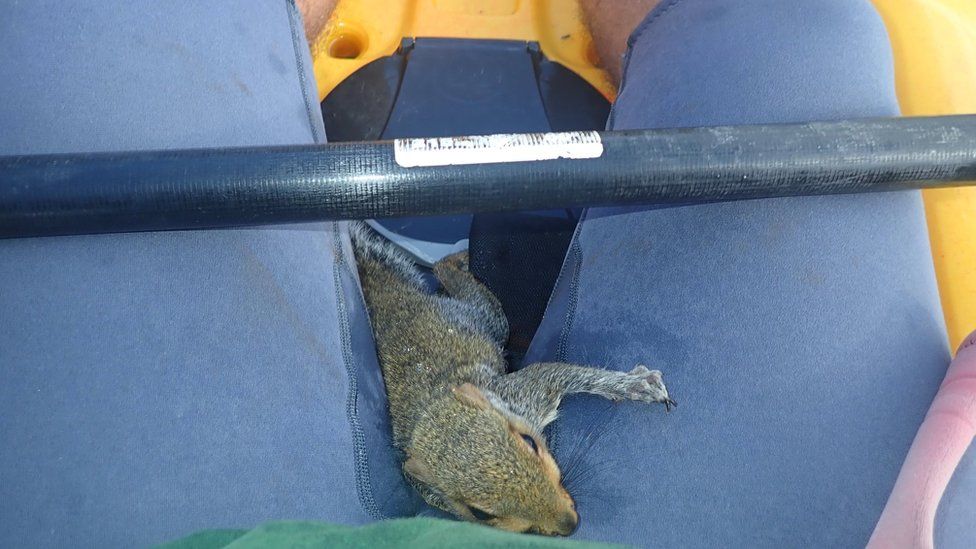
(491, 149)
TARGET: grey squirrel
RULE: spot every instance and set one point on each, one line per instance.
(471, 433)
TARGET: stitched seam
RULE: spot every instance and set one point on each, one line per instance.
(573, 298)
(576, 254)
(562, 270)
(297, 42)
(655, 14)
(363, 486)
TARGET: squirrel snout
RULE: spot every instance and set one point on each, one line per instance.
(568, 523)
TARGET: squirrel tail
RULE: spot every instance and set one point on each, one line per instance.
(371, 248)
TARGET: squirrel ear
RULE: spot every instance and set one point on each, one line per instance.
(469, 394)
(418, 470)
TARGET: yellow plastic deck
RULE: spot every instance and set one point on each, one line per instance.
(935, 67)
(361, 31)
(934, 43)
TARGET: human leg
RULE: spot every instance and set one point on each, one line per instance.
(803, 337)
(155, 384)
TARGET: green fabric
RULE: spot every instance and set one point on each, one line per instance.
(412, 532)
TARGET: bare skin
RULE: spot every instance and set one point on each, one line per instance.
(315, 14)
(610, 23)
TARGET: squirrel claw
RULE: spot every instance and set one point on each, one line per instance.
(651, 387)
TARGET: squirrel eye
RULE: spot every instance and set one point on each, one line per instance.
(480, 515)
(531, 442)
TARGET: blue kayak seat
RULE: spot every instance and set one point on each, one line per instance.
(156, 384)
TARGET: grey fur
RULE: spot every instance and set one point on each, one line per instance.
(461, 420)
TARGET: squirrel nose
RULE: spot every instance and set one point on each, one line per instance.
(568, 523)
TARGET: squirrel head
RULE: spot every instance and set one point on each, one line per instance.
(483, 463)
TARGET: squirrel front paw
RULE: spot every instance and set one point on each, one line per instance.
(648, 386)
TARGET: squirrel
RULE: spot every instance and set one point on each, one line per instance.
(470, 432)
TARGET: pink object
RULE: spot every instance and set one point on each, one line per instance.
(948, 429)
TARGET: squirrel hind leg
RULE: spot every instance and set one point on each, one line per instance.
(466, 317)
(457, 282)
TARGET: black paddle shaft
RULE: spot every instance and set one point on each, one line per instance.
(193, 189)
